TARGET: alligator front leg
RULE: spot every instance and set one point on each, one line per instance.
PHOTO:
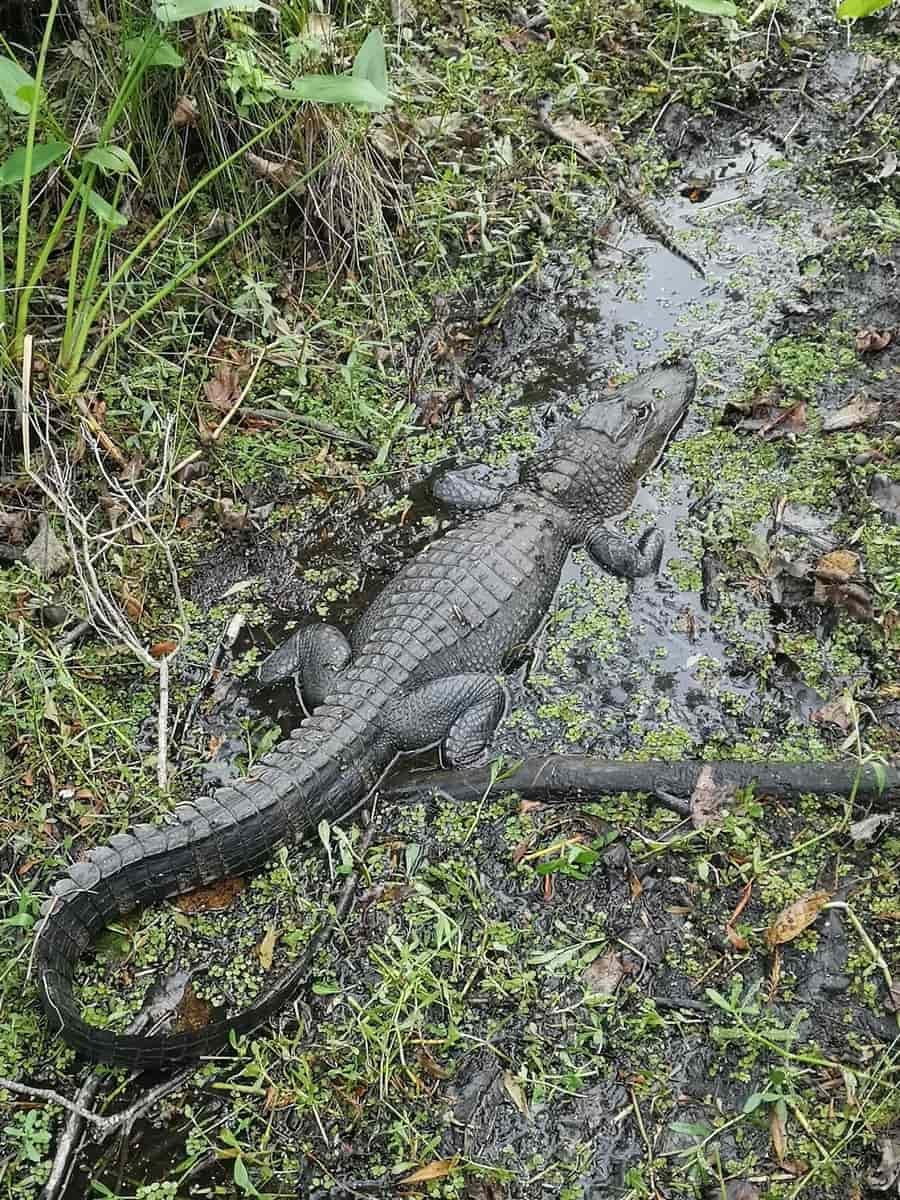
(620, 557)
(314, 657)
(459, 712)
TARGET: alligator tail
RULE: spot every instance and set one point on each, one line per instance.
(328, 764)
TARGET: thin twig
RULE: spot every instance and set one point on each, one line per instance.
(162, 723)
(227, 419)
(872, 105)
(105, 1125)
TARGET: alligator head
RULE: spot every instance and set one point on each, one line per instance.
(641, 416)
(594, 466)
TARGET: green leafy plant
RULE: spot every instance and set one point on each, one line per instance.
(96, 218)
(855, 10)
(710, 8)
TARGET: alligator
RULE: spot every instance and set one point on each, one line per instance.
(422, 671)
(595, 148)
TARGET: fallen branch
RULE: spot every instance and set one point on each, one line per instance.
(104, 1125)
(559, 777)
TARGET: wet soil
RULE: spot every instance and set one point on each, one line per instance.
(534, 1089)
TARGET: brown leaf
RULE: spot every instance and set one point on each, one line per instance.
(778, 1131)
(738, 940)
(192, 1012)
(792, 921)
(785, 421)
(215, 898)
(438, 1169)
(266, 948)
(708, 798)
(224, 387)
(593, 145)
(185, 112)
(837, 712)
(857, 411)
(837, 565)
(430, 1066)
(134, 606)
(283, 173)
(635, 885)
(604, 974)
(516, 1092)
(161, 649)
(869, 341)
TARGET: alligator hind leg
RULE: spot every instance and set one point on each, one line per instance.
(621, 557)
(314, 656)
(460, 712)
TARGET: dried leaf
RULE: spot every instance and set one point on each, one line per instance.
(589, 143)
(792, 921)
(515, 1092)
(857, 411)
(215, 898)
(604, 974)
(283, 172)
(778, 1130)
(708, 798)
(837, 712)
(870, 341)
(438, 1169)
(430, 1066)
(868, 827)
(737, 940)
(266, 948)
(162, 649)
(185, 112)
(134, 606)
(46, 554)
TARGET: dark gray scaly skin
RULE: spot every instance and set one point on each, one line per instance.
(653, 224)
(423, 672)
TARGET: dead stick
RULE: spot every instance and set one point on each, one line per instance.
(105, 1125)
(561, 777)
